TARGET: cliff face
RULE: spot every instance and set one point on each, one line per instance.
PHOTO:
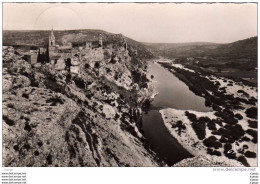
(52, 118)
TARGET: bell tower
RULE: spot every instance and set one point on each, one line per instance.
(52, 39)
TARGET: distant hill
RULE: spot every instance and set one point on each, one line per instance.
(243, 48)
(76, 37)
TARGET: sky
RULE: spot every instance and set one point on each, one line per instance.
(145, 22)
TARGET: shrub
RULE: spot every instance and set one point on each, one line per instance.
(200, 129)
(250, 154)
(213, 152)
(228, 151)
(180, 126)
(227, 147)
(212, 125)
(191, 117)
(212, 142)
(96, 65)
(216, 108)
(245, 138)
(223, 139)
(252, 132)
(217, 121)
(218, 114)
(79, 82)
(243, 160)
(251, 112)
(87, 66)
(252, 124)
(8, 121)
(238, 116)
(204, 119)
(233, 132)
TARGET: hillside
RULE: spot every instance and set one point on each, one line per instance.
(55, 118)
(246, 48)
(76, 37)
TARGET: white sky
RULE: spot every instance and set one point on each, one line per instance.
(165, 23)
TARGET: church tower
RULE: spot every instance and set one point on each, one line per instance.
(52, 39)
(100, 42)
(52, 45)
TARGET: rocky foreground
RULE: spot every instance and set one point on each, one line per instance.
(52, 118)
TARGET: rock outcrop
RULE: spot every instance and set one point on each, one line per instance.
(51, 118)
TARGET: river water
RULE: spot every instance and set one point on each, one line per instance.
(173, 93)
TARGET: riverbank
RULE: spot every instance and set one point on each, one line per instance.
(230, 130)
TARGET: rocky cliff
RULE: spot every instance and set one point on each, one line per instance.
(52, 118)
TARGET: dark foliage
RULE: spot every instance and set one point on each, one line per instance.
(238, 116)
(252, 124)
(252, 112)
(213, 152)
(8, 121)
(250, 154)
(212, 142)
(80, 83)
(243, 160)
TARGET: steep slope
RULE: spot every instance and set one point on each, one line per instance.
(51, 118)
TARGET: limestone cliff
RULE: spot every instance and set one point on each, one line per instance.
(53, 118)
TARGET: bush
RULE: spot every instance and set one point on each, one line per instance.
(238, 116)
(253, 133)
(243, 160)
(180, 126)
(227, 147)
(200, 129)
(234, 131)
(8, 121)
(250, 154)
(252, 112)
(218, 114)
(213, 152)
(228, 151)
(212, 125)
(217, 121)
(87, 66)
(79, 82)
(245, 138)
(223, 139)
(191, 117)
(212, 142)
(252, 124)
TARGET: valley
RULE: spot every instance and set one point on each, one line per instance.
(91, 98)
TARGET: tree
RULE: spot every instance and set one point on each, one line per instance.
(47, 56)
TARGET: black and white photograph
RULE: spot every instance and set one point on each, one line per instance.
(129, 85)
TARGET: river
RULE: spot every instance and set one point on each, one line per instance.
(173, 93)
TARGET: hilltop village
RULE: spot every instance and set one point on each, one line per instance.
(67, 57)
